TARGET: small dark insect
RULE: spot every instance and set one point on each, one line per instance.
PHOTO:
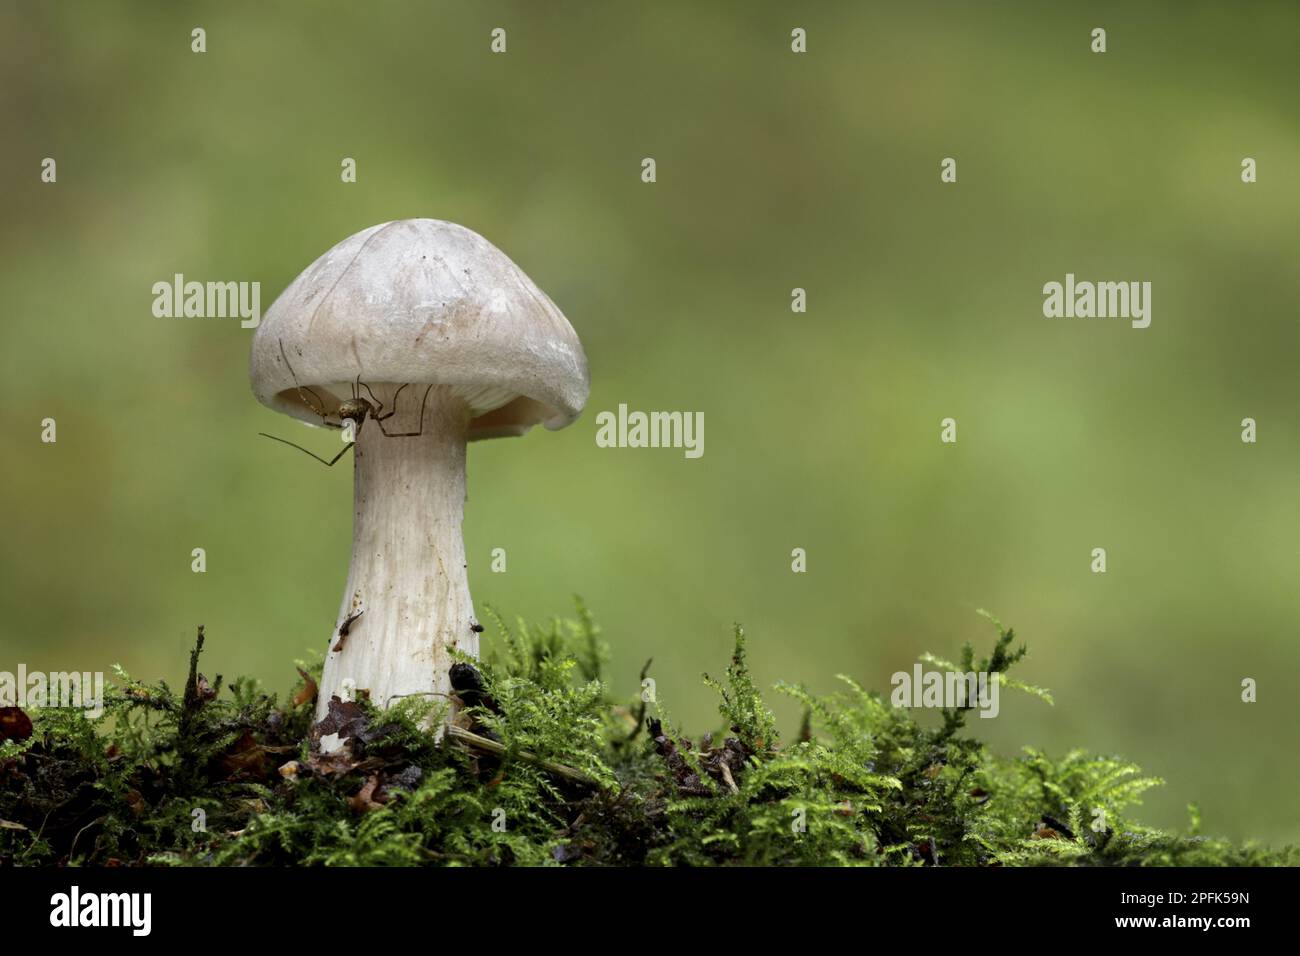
(476, 627)
(355, 409)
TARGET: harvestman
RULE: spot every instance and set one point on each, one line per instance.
(355, 409)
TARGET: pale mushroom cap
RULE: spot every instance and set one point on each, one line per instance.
(426, 302)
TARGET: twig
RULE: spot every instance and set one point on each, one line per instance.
(640, 713)
(471, 739)
(190, 701)
(728, 778)
(36, 839)
(73, 849)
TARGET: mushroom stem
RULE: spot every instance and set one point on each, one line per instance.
(407, 574)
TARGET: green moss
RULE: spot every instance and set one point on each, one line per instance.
(545, 768)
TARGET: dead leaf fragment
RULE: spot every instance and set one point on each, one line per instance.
(245, 756)
(14, 724)
(369, 797)
(308, 692)
(203, 689)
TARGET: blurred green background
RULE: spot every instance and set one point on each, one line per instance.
(775, 171)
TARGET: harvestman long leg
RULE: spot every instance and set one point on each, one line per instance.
(327, 464)
(317, 406)
(303, 391)
(380, 421)
(379, 406)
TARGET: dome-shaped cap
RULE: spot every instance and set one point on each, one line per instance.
(425, 302)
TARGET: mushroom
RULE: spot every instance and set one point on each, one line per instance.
(422, 336)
